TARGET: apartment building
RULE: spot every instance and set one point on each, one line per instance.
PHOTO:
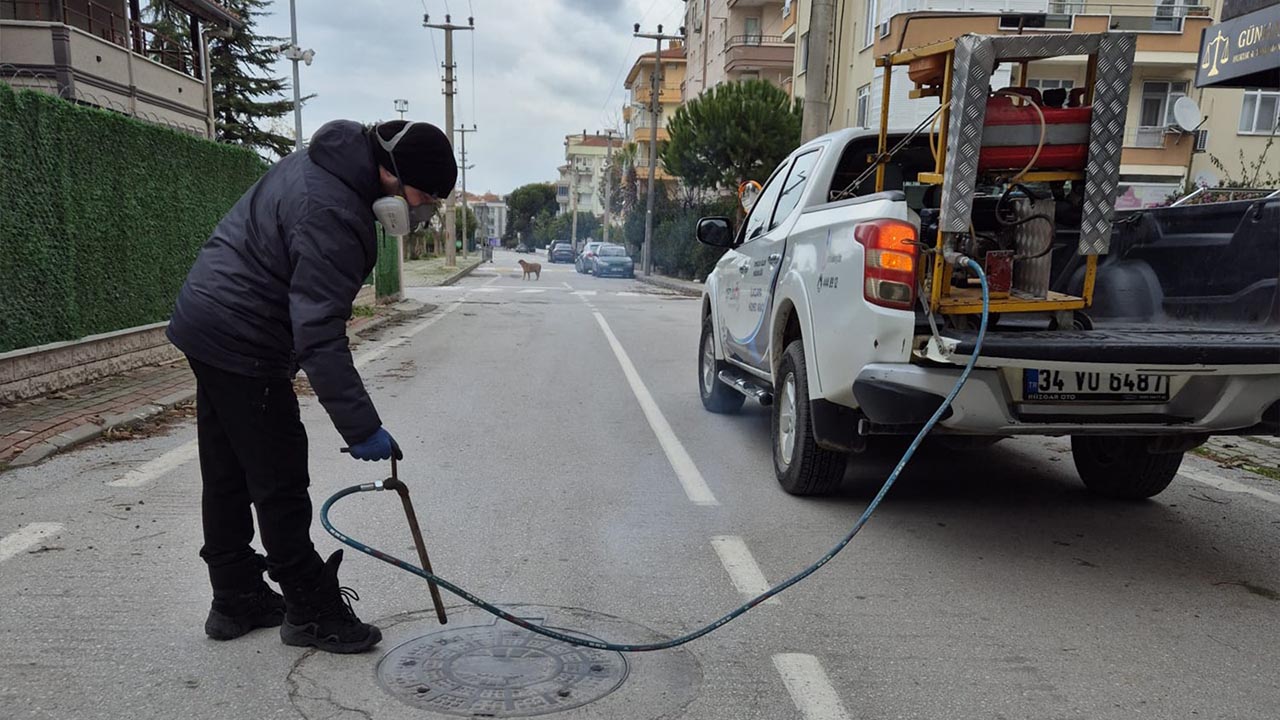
(583, 174)
(100, 52)
(730, 40)
(491, 214)
(1157, 158)
(637, 114)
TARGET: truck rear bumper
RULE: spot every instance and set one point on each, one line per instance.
(1217, 403)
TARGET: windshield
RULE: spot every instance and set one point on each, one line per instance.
(613, 251)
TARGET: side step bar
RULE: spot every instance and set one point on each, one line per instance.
(748, 386)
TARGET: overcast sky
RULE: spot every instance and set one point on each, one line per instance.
(542, 69)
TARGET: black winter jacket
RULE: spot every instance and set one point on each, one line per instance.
(272, 288)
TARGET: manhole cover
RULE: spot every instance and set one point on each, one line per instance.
(498, 670)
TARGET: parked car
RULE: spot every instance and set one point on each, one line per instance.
(803, 313)
(561, 252)
(582, 263)
(612, 260)
(522, 248)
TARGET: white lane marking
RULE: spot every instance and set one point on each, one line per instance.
(625, 293)
(566, 285)
(809, 687)
(27, 537)
(741, 566)
(404, 337)
(154, 468)
(583, 293)
(1226, 485)
(487, 289)
(694, 486)
(533, 290)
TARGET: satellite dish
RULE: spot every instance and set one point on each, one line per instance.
(1186, 114)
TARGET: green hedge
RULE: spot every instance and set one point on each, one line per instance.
(101, 216)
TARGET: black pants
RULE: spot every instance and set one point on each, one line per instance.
(253, 451)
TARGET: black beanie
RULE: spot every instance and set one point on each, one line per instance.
(424, 156)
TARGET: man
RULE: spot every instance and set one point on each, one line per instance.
(271, 291)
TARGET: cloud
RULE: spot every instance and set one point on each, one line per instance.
(542, 69)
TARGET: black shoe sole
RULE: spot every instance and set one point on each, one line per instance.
(221, 627)
(305, 636)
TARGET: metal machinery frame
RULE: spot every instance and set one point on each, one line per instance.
(968, 62)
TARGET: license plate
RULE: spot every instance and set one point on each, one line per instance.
(1073, 386)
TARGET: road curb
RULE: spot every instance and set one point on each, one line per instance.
(90, 431)
(684, 287)
(463, 272)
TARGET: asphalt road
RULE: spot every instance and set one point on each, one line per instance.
(989, 585)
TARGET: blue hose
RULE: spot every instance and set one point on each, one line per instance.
(740, 610)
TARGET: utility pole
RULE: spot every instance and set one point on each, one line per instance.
(464, 166)
(816, 105)
(655, 112)
(295, 54)
(450, 222)
(608, 183)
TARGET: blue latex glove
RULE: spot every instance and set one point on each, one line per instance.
(378, 446)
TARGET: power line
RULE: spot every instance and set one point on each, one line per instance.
(434, 54)
(623, 68)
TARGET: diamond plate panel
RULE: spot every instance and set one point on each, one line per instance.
(975, 60)
(1039, 46)
(1106, 137)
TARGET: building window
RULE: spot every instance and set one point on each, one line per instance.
(1156, 111)
(1260, 112)
(869, 32)
(1051, 84)
(804, 52)
(751, 26)
(864, 106)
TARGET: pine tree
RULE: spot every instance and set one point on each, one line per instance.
(245, 95)
(169, 42)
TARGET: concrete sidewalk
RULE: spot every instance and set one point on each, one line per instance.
(684, 287)
(32, 430)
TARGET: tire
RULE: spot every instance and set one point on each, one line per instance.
(716, 396)
(1122, 468)
(802, 468)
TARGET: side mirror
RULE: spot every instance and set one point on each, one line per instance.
(748, 194)
(715, 231)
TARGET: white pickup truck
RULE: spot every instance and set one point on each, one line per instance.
(815, 310)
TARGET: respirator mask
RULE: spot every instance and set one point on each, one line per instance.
(393, 211)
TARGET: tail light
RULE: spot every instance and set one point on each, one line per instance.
(890, 262)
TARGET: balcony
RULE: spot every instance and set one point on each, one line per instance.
(1156, 146)
(97, 54)
(758, 52)
(667, 94)
(1161, 30)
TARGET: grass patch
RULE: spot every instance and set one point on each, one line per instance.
(363, 311)
(1238, 461)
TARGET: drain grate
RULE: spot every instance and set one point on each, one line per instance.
(498, 670)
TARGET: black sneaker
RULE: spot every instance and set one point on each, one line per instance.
(233, 615)
(321, 616)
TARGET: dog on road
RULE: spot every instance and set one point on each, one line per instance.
(530, 269)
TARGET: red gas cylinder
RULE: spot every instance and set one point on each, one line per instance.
(1011, 132)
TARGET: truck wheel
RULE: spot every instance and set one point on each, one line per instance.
(801, 466)
(1122, 467)
(716, 396)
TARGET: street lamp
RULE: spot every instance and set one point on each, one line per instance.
(402, 106)
(205, 36)
(293, 53)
